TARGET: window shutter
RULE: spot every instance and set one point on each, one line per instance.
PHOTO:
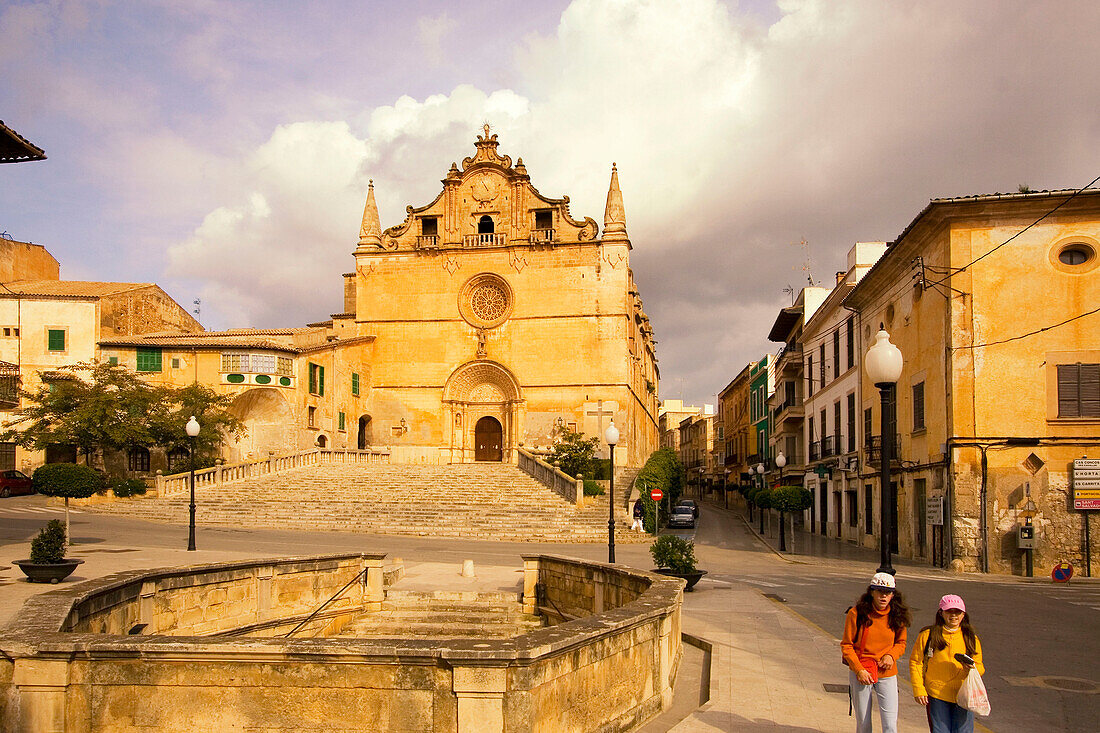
(1067, 390)
(1090, 390)
(56, 340)
(321, 381)
(354, 383)
(918, 406)
(313, 379)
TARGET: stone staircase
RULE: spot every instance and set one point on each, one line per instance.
(445, 614)
(478, 500)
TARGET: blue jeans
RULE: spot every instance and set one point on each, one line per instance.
(947, 717)
(865, 698)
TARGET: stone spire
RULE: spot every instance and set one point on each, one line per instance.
(370, 233)
(614, 215)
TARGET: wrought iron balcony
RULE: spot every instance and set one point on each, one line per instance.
(9, 386)
(815, 450)
(483, 240)
(827, 446)
(873, 446)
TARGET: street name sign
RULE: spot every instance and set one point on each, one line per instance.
(933, 511)
(1086, 484)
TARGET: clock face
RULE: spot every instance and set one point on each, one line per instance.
(485, 188)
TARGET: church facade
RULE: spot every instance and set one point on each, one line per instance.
(497, 317)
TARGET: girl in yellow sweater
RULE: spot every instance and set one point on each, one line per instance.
(937, 673)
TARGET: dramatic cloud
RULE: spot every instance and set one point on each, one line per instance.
(739, 130)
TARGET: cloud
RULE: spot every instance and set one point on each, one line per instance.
(431, 31)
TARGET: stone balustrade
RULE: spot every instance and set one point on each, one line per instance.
(561, 483)
(609, 668)
(179, 484)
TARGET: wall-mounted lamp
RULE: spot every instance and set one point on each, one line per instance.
(560, 422)
(404, 426)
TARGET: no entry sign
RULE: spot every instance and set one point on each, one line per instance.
(656, 495)
(1062, 572)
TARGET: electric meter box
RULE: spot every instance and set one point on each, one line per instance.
(1025, 537)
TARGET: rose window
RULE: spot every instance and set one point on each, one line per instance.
(489, 302)
(486, 300)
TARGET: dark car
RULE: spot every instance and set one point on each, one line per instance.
(690, 503)
(682, 516)
(13, 483)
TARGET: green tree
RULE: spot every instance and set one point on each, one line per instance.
(99, 407)
(574, 451)
(216, 422)
(663, 471)
(66, 480)
(789, 499)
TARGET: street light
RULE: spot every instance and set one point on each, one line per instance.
(883, 363)
(725, 488)
(760, 474)
(192, 429)
(611, 435)
(780, 461)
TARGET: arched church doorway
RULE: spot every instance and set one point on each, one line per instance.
(485, 225)
(364, 436)
(488, 440)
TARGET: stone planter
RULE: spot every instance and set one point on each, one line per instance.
(690, 578)
(53, 572)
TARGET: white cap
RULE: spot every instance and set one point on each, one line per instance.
(882, 581)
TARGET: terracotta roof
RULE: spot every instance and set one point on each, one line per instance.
(216, 340)
(14, 148)
(83, 288)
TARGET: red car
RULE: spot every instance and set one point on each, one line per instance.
(14, 482)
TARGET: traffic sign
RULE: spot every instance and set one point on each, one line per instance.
(1086, 484)
(656, 495)
(1062, 572)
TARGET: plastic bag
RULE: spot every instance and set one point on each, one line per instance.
(972, 694)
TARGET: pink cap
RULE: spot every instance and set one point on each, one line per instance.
(949, 602)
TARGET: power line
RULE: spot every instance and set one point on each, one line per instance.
(1030, 333)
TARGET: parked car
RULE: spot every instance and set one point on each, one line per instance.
(13, 483)
(690, 503)
(682, 516)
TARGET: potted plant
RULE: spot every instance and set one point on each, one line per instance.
(675, 556)
(48, 563)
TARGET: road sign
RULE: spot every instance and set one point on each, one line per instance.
(933, 511)
(1062, 572)
(656, 495)
(1086, 484)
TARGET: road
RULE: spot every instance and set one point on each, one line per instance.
(1041, 641)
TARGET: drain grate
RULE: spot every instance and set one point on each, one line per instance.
(1069, 684)
(837, 689)
(774, 597)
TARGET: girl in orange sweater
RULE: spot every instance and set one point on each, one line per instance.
(873, 641)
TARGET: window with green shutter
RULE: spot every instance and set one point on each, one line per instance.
(341, 420)
(112, 360)
(316, 379)
(148, 360)
(55, 339)
(354, 383)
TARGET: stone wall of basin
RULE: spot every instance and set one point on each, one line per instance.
(68, 663)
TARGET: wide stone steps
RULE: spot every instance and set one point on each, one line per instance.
(488, 501)
(411, 614)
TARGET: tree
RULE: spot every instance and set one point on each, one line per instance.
(574, 451)
(789, 499)
(762, 499)
(211, 409)
(67, 480)
(99, 407)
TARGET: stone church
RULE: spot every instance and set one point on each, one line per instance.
(497, 317)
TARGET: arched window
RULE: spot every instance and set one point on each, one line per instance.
(177, 458)
(139, 459)
(485, 225)
(322, 441)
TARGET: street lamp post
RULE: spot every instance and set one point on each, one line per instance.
(780, 461)
(760, 475)
(726, 489)
(192, 429)
(611, 435)
(883, 364)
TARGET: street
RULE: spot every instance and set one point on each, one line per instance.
(1042, 651)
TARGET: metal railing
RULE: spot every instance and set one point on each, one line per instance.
(561, 483)
(178, 484)
(873, 446)
(827, 446)
(483, 240)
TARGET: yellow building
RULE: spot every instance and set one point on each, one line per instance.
(992, 301)
(733, 406)
(668, 422)
(497, 316)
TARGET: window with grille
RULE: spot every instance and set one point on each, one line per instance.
(55, 339)
(283, 366)
(148, 360)
(918, 406)
(234, 362)
(139, 459)
(1079, 390)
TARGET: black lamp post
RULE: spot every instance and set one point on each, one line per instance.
(611, 435)
(780, 461)
(760, 475)
(883, 364)
(192, 429)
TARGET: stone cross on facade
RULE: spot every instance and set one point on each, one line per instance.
(598, 413)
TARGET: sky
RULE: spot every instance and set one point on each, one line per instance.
(222, 149)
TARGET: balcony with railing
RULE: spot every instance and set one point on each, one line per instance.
(873, 447)
(790, 410)
(484, 240)
(828, 446)
(9, 386)
(789, 359)
(427, 241)
(541, 235)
